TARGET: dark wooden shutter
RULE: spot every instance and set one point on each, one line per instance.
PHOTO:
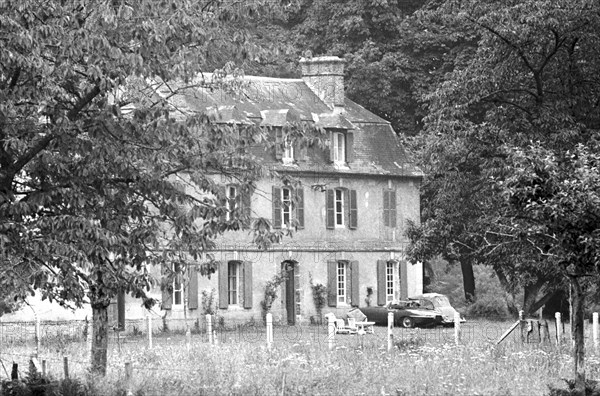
(381, 278)
(353, 217)
(276, 200)
(393, 215)
(223, 285)
(278, 143)
(167, 289)
(121, 309)
(331, 146)
(223, 201)
(349, 147)
(246, 203)
(247, 270)
(300, 207)
(301, 151)
(332, 283)
(355, 282)
(192, 287)
(386, 207)
(330, 218)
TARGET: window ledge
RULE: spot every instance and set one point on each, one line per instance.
(341, 165)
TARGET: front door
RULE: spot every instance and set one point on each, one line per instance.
(290, 291)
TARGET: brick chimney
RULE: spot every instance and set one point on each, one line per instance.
(324, 75)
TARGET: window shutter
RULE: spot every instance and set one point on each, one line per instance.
(167, 296)
(278, 143)
(301, 151)
(276, 200)
(330, 218)
(349, 147)
(223, 201)
(381, 277)
(331, 148)
(247, 270)
(192, 287)
(355, 291)
(386, 207)
(223, 283)
(300, 207)
(392, 194)
(246, 203)
(353, 218)
(332, 283)
(121, 309)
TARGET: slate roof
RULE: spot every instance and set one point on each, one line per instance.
(377, 149)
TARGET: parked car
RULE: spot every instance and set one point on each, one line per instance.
(406, 314)
(440, 303)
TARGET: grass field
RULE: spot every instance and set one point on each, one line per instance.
(424, 362)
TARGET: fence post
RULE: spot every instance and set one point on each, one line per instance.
(188, 338)
(128, 371)
(43, 368)
(66, 366)
(269, 330)
(90, 335)
(390, 332)
(149, 329)
(558, 328)
(330, 332)
(595, 330)
(209, 330)
(14, 374)
(456, 328)
(38, 336)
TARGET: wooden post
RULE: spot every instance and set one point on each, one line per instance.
(14, 374)
(456, 328)
(66, 366)
(209, 330)
(390, 337)
(269, 330)
(595, 330)
(128, 371)
(521, 313)
(38, 336)
(149, 330)
(558, 328)
(330, 333)
(188, 339)
(44, 372)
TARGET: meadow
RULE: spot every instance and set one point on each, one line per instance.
(423, 362)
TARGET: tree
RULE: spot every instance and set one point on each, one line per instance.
(529, 77)
(99, 177)
(532, 77)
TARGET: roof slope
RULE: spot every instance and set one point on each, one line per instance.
(377, 150)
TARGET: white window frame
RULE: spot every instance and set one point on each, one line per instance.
(288, 152)
(231, 193)
(341, 282)
(339, 208)
(338, 145)
(177, 295)
(233, 282)
(390, 281)
(286, 207)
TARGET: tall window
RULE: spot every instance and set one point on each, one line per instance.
(389, 281)
(288, 152)
(339, 147)
(177, 286)
(233, 284)
(231, 197)
(286, 206)
(342, 274)
(339, 207)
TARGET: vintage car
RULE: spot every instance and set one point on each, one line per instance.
(440, 303)
(406, 314)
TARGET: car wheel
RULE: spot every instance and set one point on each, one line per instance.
(408, 322)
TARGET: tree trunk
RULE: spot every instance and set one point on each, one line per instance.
(99, 338)
(530, 294)
(468, 280)
(578, 337)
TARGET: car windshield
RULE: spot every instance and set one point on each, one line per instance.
(441, 301)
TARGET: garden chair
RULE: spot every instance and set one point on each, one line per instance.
(341, 328)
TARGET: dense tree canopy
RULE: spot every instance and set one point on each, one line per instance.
(96, 171)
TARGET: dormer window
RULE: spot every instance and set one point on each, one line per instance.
(338, 147)
(288, 152)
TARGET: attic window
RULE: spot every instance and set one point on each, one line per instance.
(338, 146)
(341, 147)
(288, 152)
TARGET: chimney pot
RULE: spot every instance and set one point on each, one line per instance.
(324, 75)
